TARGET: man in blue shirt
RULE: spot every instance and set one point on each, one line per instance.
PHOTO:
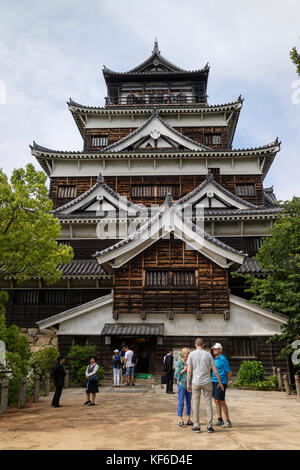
(224, 370)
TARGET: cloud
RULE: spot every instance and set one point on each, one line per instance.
(50, 51)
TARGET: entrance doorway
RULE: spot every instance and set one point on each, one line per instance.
(143, 348)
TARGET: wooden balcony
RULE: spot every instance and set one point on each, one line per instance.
(163, 99)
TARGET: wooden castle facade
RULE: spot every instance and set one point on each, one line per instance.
(159, 209)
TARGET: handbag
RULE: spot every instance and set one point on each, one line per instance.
(93, 378)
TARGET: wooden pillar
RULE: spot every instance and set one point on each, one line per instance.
(279, 376)
(36, 389)
(297, 383)
(67, 378)
(286, 385)
(47, 384)
(4, 396)
(22, 393)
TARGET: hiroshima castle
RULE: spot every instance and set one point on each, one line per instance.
(160, 208)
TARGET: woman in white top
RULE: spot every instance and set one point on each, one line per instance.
(92, 381)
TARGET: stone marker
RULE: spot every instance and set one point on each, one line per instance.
(47, 384)
(36, 389)
(22, 393)
(4, 396)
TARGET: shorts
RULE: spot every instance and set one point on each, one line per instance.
(217, 393)
(130, 371)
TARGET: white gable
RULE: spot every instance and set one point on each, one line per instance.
(158, 133)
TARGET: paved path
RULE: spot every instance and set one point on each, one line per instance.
(261, 420)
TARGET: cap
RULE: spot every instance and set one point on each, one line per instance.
(217, 346)
(116, 350)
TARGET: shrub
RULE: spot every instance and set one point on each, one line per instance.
(250, 372)
(43, 361)
(18, 369)
(79, 360)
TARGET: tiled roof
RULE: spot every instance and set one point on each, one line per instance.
(250, 266)
(78, 268)
(133, 329)
(270, 198)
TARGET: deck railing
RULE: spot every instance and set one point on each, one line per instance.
(154, 98)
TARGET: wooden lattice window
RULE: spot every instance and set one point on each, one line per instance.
(253, 244)
(155, 190)
(67, 191)
(100, 141)
(245, 189)
(26, 297)
(212, 139)
(180, 278)
(54, 297)
(242, 347)
(80, 341)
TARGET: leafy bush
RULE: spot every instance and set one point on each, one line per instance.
(250, 372)
(79, 360)
(18, 369)
(43, 361)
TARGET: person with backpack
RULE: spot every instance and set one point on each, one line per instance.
(58, 373)
(129, 364)
(116, 368)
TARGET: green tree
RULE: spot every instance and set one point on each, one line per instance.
(279, 256)
(28, 229)
(295, 57)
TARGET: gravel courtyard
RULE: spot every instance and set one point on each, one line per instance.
(130, 420)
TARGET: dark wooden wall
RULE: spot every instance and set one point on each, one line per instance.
(86, 248)
(268, 354)
(210, 295)
(117, 133)
(122, 185)
(26, 316)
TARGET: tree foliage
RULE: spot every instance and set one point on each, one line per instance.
(28, 229)
(279, 256)
(295, 57)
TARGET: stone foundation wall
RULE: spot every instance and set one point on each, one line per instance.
(39, 339)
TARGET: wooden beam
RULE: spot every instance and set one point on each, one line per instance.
(198, 315)
(115, 315)
(227, 315)
(171, 315)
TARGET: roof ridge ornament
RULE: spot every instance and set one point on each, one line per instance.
(156, 50)
(210, 176)
(100, 179)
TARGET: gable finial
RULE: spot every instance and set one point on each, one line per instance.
(100, 179)
(210, 176)
(155, 48)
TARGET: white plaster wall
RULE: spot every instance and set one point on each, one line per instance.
(242, 322)
(136, 166)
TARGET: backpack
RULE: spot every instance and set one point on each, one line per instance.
(116, 361)
(133, 359)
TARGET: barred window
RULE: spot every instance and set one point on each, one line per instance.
(242, 347)
(245, 189)
(253, 244)
(54, 297)
(152, 190)
(170, 278)
(100, 141)
(66, 191)
(23, 297)
(212, 139)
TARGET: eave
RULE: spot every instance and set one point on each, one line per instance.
(265, 153)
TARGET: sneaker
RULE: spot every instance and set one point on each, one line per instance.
(91, 404)
(196, 429)
(87, 402)
(132, 383)
(227, 424)
(220, 422)
(210, 430)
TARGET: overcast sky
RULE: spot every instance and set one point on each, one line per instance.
(53, 50)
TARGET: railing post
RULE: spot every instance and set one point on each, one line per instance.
(67, 378)
(279, 376)
(4, 396)
(286, 385)
(36, 389)
(297, 383)
(22, 393)
(47, 384)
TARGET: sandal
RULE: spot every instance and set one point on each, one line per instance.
(189, 423)
(182, 425)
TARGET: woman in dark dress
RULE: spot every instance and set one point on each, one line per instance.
(92, 382)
